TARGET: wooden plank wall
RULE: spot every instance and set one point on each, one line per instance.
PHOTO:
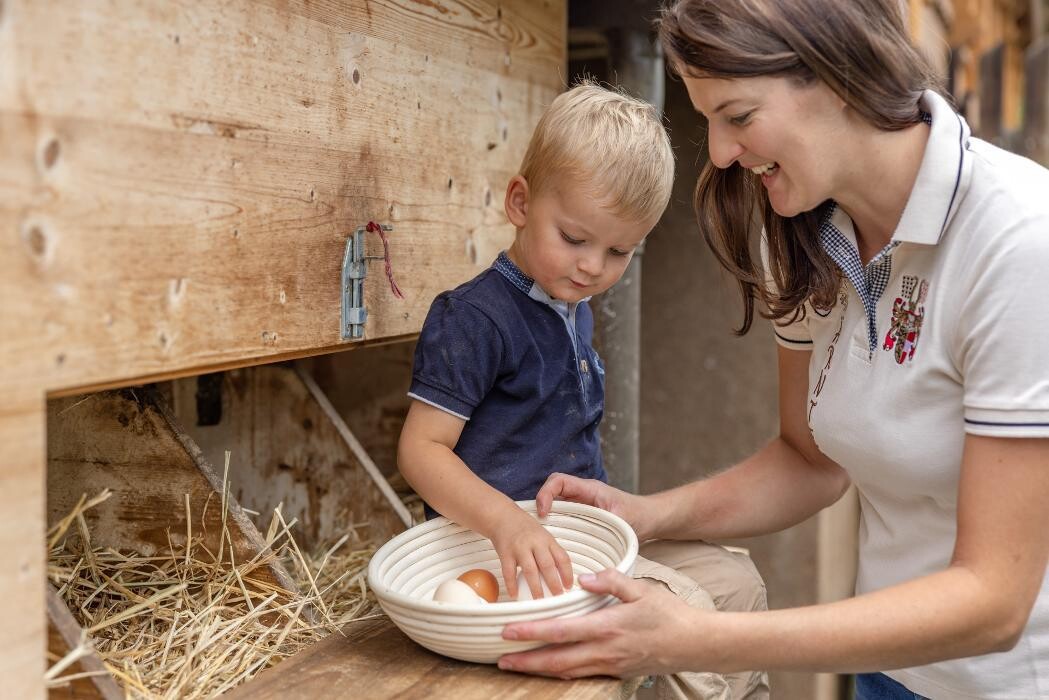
(177, 181)
(994, 48)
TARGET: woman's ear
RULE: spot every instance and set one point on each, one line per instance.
(516, 202)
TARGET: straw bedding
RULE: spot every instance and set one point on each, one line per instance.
(191, 623)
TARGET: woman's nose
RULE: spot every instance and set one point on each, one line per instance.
(724, 149)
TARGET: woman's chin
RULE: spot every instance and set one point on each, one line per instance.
(786, 209)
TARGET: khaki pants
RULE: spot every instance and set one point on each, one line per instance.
(709, 577)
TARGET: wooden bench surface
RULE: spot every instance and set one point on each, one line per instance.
(376, 660)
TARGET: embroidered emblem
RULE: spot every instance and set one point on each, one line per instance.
(908, 311)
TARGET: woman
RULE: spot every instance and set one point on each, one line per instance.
(904, 270)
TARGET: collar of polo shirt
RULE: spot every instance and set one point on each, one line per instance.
(942, 178)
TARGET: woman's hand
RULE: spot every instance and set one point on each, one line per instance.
(643, 635)
(520, 541)
(592, 492)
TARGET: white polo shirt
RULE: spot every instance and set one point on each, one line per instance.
(956, 340)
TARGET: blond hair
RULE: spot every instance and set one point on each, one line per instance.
(613, 142)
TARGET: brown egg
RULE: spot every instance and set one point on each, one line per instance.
(483, 582)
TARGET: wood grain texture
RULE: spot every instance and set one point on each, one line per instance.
(23, 634)
(369, 389)
(184, 175)
(63, 636)
(177, 180)
(124, 441)
(286, 450)
(374, 659)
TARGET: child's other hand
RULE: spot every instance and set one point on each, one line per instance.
(520, 541)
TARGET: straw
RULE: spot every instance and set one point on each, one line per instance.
(189, 624)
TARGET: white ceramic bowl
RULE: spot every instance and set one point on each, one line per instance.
(406, 570)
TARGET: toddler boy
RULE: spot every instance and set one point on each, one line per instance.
(507, 388)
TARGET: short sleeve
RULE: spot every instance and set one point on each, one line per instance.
(1003, 335)
(457, 358)
(794, 335)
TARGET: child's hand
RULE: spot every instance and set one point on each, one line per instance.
(520, 541)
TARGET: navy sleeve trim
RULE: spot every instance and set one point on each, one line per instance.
(1007, 425)
(791, 340)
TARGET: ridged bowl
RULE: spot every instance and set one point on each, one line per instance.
(404, 572)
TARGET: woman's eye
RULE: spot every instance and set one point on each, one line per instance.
(569, 239)
(741, 119)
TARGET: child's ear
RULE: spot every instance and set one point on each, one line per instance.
(516, 202)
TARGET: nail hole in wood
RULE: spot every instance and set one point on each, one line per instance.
(51, 152)
(356, 76)
(37, 240)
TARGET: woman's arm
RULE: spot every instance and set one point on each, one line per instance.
(428, 463)
(979, 604)
(782, 484)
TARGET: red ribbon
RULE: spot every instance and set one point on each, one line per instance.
(373, 227)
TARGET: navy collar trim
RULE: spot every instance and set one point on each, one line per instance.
(512, 272)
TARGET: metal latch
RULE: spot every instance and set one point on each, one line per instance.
(354, 270)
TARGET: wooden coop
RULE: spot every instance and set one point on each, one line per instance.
(185, 193)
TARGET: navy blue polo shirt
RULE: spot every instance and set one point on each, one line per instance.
(519, 368)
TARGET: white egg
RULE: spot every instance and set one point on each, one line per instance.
(525, 593)
(457, 592)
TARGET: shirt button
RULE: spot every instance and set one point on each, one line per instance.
(584, 366)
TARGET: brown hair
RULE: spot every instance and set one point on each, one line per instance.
(860, 50)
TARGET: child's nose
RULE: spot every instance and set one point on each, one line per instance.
(592, 263)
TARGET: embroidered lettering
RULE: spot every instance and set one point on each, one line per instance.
(843, 302)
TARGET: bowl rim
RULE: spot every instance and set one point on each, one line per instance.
(383, 592)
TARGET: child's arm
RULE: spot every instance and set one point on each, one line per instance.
(428, 464)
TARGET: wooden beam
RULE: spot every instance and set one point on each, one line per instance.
(23, 636)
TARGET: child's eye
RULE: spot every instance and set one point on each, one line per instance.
(741, 119)
(569, 239)
(620, 253)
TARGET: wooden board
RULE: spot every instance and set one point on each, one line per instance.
(376, 660)
(287, 449)
(63, 636)
(124, 441)
(183, 177)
